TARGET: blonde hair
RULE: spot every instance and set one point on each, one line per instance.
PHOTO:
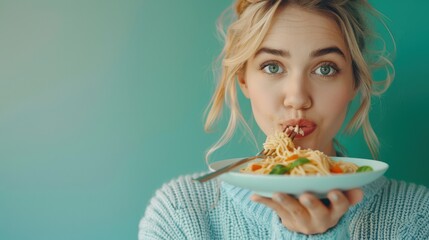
(247, 31)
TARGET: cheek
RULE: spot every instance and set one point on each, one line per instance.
(339, 104)
(335, 107)
(264, 109)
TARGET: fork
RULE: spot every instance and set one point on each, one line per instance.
(234, 165)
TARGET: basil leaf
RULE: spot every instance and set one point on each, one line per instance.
(364, 169)
(279, 169)
(299, 162)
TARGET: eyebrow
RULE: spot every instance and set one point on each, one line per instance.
(276, 52)
(328, 50)
(315, 53)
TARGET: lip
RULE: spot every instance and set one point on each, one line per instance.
(306, 125)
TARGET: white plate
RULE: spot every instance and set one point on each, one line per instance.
(266, 185)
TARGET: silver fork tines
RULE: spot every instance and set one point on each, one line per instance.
(234, 165)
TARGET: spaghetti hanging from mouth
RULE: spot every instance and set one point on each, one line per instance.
(283, 158)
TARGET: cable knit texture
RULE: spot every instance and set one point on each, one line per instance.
(184, 209)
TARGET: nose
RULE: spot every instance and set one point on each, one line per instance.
(297, 93)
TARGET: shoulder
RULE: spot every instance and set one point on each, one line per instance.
(184, 192)
(409, 198)
(410, 195)
(395, 209)
(396, 192)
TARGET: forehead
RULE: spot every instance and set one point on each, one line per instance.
(296, 28)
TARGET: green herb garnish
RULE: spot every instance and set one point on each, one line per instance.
(280, 169)
(364, 169)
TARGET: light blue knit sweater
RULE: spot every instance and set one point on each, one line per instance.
(183, 209)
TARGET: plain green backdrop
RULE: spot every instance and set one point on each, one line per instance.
(101, 102)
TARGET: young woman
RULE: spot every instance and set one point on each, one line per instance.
(299, 63)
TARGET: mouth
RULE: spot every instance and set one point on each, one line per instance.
(307, 126)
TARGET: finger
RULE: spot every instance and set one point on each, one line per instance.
(279, 208)
(269, 202)
(292, 206)
(319, 213)
(339, 204)
(315, 207)
(354, 195)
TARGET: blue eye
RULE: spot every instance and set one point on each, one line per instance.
(326, 70)
(272, 68)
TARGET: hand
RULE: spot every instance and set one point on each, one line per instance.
(307, 214)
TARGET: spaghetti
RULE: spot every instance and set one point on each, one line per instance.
(284, 158)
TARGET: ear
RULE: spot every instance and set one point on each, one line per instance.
(242, 83)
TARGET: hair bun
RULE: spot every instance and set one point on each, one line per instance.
(241, 5)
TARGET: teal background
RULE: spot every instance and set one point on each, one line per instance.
(101, 102)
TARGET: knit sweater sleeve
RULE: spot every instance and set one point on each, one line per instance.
(398, 210)
(175, 212)
(161, 217)
(416, 225)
